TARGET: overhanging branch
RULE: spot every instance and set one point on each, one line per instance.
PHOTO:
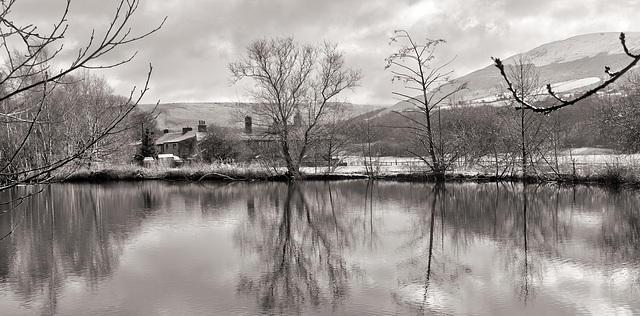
(560, 102)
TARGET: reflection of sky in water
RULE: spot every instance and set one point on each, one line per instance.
(176, 269)
(193, 250)
(556, 285)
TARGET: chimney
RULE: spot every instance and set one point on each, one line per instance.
(186, 129)
(247, 124)
(166, 130)
(297, 120)
(202, 126)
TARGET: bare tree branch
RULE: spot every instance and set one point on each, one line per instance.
(411, 65)
(27, 83)
(560, 103)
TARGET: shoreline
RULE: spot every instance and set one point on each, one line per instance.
(230, 173)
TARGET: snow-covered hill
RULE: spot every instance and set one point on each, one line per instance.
(570, 65)
(579, 47)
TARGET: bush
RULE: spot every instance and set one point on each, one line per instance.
(616, 173)
(219, 146)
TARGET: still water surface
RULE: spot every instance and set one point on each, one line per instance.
(316, 248)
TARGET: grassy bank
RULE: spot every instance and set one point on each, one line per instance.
(610, 174)
(191, 172)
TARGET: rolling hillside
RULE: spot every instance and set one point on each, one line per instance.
(174, 116)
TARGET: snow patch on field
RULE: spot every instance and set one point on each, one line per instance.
(574, 84)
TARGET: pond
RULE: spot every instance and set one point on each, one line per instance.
(317, 248)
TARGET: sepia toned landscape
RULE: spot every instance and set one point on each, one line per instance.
(286, 157)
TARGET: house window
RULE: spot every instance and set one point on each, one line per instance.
(174, 146)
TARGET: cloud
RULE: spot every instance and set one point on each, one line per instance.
(191, 52)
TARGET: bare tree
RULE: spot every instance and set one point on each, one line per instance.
(336, 133)
(411, 65)
(525, 78)
(79, 110)
(296, 85)
(28, 81)
(368, 135)
(558, 101)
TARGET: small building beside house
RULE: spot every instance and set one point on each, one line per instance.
(182, 144)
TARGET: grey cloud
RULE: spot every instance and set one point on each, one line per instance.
(190, 54)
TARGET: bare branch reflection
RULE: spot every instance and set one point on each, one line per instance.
(324, 247)
(301, 245)
(70, 231)
(435, 271)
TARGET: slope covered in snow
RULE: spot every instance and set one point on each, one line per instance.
(573, 64)
(585, 46)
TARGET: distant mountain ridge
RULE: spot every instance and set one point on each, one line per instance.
(572, 64)
(175, 116)
(581, 47)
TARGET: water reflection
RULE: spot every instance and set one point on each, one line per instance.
(531, 247)
(62, 233)
(300, 245)
(421, 245)
(348, 248)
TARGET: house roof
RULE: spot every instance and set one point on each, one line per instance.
(176, 137)
(257, 137)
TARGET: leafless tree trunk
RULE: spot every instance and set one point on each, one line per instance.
(335, 134)
(411, 65)
(296, 85)
(525, 81)
(366, 134)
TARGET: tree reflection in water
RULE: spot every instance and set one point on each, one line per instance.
(300, 246)
(369, 234)
(469, 248)
(526, 279)
(437, 191)
(506, 242)
(424, 266)
(67, 231)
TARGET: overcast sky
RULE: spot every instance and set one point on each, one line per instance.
(200, 37)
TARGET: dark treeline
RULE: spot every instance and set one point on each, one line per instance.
(493, 135)
(71, 117)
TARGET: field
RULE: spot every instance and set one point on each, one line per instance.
(586, 163)
(579, 165)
